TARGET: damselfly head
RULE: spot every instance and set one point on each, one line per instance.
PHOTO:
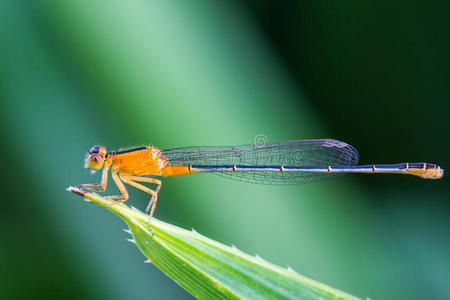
(95, 158)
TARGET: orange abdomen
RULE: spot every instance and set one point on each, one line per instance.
(175, 170)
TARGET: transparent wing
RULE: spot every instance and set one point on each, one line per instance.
(290, 153)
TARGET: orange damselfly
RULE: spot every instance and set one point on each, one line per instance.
(290, 162)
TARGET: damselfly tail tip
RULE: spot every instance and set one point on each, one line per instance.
(428, 171)
(436, 173)
(441, 172)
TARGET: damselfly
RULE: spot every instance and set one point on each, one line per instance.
(289, 162)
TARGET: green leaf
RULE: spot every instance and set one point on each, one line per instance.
(208, 269)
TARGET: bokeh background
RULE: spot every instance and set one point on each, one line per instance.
(179, 73)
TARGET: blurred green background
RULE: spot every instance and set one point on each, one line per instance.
(374, 74)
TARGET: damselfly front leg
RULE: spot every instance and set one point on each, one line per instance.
(98, 187)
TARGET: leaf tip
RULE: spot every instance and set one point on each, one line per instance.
(131, 241)
(148, 261)
(126, 230)
(76, 191)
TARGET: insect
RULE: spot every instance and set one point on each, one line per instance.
(289, 162)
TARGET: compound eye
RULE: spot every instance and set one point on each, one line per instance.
(98, 149)
(93, 150)
(94, 162)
